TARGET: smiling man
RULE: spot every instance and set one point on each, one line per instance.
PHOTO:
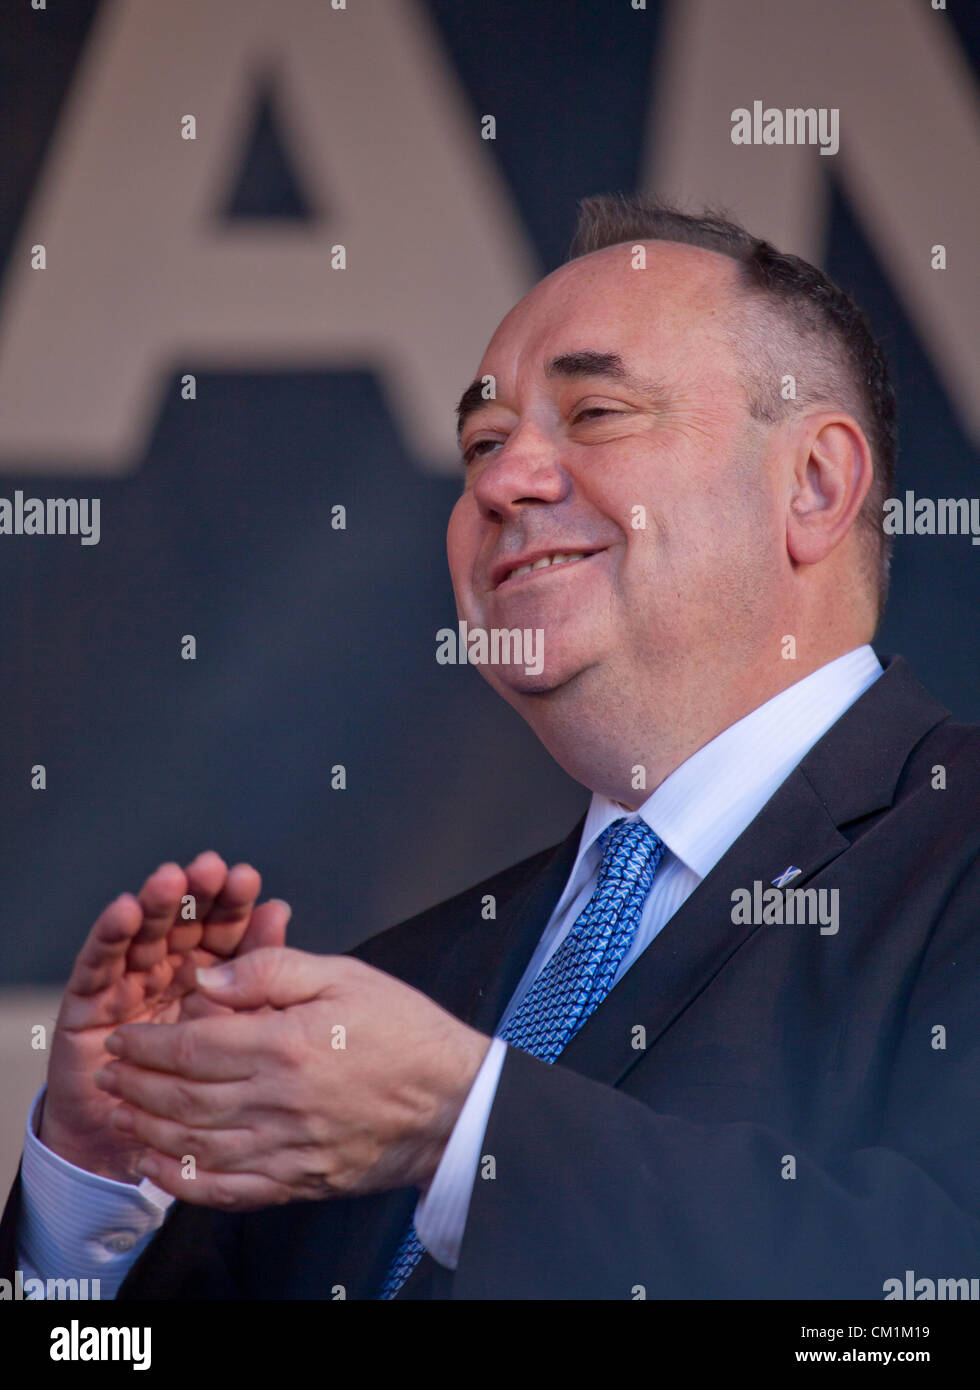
(592, 1076)
(628, 395)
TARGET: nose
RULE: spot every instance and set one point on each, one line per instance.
(526, 469)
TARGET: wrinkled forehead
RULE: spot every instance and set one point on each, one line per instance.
(660, 308)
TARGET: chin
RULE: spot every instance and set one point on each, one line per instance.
(514, 687)
(515, 684)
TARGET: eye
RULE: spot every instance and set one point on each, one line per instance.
(594, 410)
(473, 452)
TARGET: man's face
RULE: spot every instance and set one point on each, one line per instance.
(619, 433)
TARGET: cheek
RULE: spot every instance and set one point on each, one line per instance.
(644, 486)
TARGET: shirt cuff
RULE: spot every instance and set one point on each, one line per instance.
(78, 1225)
(440, 1217)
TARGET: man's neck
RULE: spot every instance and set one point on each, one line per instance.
(625, 753)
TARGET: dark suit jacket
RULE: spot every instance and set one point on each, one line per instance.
(794, 1126)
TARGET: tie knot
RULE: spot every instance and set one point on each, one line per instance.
(630, 850)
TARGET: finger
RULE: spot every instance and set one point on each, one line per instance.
(229, 1048)
(201, 1104)
(219, 1150)
(160, 899)
(205, 879)
(298, 1166)
(226, 923)
(267, 926)
(102, 958)
(272, 975)
(224, 1191)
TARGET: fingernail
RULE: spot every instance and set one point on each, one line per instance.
(123, 1118)
(215, 976)
(282, 903)
(147, 1167)
(114, 1044)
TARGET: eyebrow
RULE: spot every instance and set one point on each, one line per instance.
(570, 365)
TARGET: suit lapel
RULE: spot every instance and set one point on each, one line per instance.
(852, 772)
(486, 962)
(698, 941)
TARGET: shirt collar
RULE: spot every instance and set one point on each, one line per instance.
(700, 810)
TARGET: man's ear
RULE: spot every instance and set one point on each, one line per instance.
(832, 472)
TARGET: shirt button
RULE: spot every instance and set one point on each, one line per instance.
(121, 1242)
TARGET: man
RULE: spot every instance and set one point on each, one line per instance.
(721, 1042)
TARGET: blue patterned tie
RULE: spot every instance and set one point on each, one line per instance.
(579, 974)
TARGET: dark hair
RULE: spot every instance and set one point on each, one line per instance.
(845, 363)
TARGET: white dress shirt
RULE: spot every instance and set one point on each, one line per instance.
(75, 1224)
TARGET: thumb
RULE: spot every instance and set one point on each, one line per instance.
(273, 975)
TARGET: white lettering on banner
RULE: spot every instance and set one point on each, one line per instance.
(909, 143)
(142, 279)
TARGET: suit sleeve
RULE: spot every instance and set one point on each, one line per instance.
(596, 1195)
